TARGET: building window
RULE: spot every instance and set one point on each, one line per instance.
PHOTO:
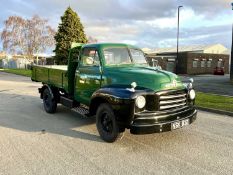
(203, 63)
(220, 64)
(155, 62)
(209, 63)
(195, 62)
(170, 66)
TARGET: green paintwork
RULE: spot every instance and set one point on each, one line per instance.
(72, 65)
(52, 75)
(147, 77)
(86, 80)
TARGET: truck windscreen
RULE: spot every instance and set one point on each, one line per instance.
(118, 56)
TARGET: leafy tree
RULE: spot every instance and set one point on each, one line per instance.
(69, 30)
(27, 36)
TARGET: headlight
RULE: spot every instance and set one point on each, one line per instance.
(192, 94)
(140, 102)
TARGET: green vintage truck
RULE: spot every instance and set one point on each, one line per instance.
(114, 83)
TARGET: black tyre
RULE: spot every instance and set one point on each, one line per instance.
(50, 104)
(106, 123)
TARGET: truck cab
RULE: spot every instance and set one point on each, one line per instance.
(115, 84)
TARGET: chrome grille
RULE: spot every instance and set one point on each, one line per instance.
(172, 99)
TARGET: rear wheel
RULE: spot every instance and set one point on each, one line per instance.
(50, 104)
(106, 123)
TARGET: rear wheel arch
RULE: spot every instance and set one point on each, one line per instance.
(50, 104)
(53, 90)
(45, 86)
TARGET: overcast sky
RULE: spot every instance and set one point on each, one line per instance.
(145, 23)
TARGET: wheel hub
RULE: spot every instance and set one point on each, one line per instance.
(107, 123)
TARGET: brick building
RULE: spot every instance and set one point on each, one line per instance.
(191, 60)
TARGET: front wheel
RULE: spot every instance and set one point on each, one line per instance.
(106, 123)
(50, 104)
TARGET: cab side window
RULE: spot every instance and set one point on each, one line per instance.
(87, 54)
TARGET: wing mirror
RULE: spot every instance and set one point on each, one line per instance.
(191, 80)
(188, 83)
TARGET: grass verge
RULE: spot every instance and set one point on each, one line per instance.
(24, 72)
(214, 101)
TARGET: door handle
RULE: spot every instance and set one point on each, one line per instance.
(66, 74)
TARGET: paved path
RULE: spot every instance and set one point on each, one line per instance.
(215, 84)
(70, 143)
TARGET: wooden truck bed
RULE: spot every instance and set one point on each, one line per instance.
(52, 75)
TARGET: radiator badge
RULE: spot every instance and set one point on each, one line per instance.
(172, 84)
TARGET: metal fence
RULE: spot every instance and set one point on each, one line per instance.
(15, 64)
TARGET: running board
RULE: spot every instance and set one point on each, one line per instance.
(81, 110)
(75, 106)
(68, 102)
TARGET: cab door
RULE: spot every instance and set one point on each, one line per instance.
(87, 76)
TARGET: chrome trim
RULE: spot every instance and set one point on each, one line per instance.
(168, 122)
(172, 96)
(172, 101)
(172, 106)
(155, 116)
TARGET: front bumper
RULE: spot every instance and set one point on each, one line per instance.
(161, 126)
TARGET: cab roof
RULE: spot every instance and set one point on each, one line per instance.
(106, 45)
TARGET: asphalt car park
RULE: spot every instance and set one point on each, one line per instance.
(215, 84)
(34, 142)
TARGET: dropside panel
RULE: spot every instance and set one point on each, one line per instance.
(51, 75)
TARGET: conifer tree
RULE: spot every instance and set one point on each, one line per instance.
(69, 30)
